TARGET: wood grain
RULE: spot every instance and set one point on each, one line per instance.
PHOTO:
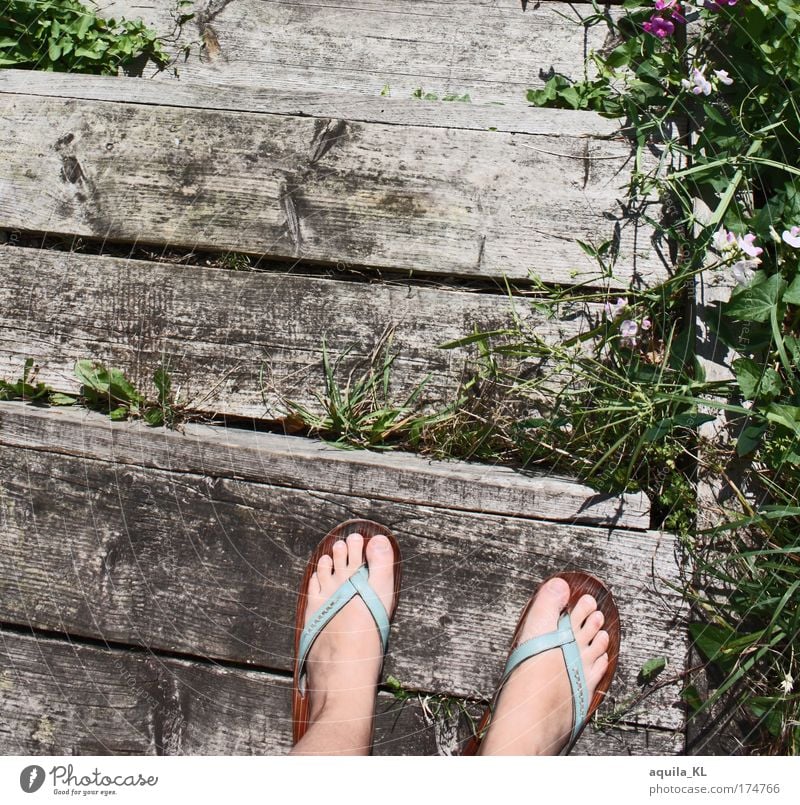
(206, 565)
(243, 343)
(490, 50)
(67, 698)
(402, 198)
(216, 451)
(306, 101)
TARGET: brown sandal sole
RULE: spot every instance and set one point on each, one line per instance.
(580, 584)
(367, 529)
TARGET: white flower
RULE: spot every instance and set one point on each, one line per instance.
(722, 75)
(792, 237)
(698, 84)
(746, 244)
(724, 240)
(787, 685)
(613, 311)
(743, 270)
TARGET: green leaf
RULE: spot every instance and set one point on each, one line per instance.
(56, 398)
(651, 669)
(750, 438)
(118, 414)
(691, 696)
(658, 431)
(154, 417)
(692, 420)
(754, 302)
(710, 639)
(792, 294)
(756, 381)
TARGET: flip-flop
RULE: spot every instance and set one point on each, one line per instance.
(357, 584)
(580, 584)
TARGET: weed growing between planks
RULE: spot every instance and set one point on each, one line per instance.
(359, 413)
(732, 71)
(103, 389)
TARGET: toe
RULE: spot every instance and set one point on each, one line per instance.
(598, 646)
(380, 559)
(325, 574)
(355, 551)
(313, 585)
(591, 626)
(339, 552)
(546, 608)
(581, 611)
(599, 667)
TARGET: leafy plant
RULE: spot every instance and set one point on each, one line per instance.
(25, 388)
(729, 73)
(68, 36)
(108, 390)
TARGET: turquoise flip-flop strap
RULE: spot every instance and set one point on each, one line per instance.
(563, 638)
(357, 584)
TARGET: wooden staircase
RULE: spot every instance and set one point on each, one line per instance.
(148, 576)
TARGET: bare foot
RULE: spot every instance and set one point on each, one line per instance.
(533, 715)
(344, 662)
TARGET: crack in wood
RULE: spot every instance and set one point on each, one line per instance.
(326, 133)
(204, 17)
(290, 195)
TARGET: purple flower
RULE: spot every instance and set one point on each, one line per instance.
(659, 27)
(614, 311)
(718, 5)
(673, 9)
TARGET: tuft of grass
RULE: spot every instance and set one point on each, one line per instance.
(359, 412)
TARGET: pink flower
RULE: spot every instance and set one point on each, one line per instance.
(718, 5)
(792, 237)
(659, 27)
(746, 245)
(614, 311)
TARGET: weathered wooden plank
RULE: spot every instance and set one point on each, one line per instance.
(490, 51)
(183, 562)
(235, 98)
(60, 698)
(240, 342)
(217, 451)
(438, 201)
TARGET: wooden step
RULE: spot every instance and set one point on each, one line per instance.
(244, 342)
(129, 553)
(411, 199)
(489, 49)
(67, 698)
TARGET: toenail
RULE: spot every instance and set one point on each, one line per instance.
(558, 586)
(380, 543)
